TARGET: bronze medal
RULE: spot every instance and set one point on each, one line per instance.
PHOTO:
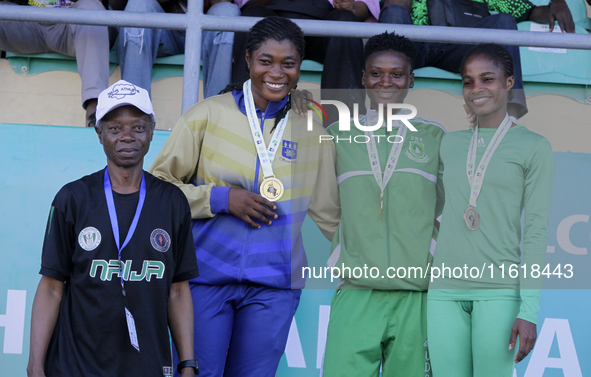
(472, 218)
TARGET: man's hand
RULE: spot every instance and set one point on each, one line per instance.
(298, 101)
(527, 333)
(559, 12)
(556, 11)
(247, 205)
(359, 8)
(344, 4)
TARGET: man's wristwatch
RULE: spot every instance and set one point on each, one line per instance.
(188, 364)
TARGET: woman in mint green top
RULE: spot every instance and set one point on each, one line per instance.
(478, 309)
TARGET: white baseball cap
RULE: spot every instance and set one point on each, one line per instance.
(120, 94)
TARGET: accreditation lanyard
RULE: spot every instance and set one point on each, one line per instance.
(115, 226)
(115, 223)
(266, 156)
(393, 159)
(476, 175)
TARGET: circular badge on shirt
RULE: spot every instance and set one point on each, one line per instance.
(160, 240)
(89, 238)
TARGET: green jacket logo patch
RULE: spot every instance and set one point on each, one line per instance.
(416, 150)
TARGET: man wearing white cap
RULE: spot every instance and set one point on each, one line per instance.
(117, 254)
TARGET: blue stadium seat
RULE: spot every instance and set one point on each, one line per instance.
(33, 64)
(570, 67)
(169, 66)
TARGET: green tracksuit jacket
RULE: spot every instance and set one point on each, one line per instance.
(403, 236)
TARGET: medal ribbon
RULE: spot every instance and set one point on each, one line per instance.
(374, 159)
(476, 175)
(115, 223)
(266, 156)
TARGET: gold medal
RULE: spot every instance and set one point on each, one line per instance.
(472, 218)
(272, 189)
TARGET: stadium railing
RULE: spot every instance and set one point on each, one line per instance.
(194, 22)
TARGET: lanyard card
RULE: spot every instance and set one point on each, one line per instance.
(132, 330)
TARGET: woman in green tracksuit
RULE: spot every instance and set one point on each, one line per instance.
(476, 310)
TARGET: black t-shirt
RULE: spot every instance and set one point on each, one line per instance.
(91, 336)
(125, 206)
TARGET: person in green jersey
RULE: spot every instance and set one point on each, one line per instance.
(388, 194)
(477, 311)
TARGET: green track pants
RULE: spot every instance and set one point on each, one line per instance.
(471, 338)
(371, 327)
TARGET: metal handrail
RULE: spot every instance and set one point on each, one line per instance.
(194, 22)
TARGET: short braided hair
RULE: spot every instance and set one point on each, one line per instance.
(278, 29)
(391, 42)
(497, 54)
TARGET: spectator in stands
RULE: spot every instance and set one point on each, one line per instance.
(89, 44)
(139, 47)
(342, 57)
(448, 56)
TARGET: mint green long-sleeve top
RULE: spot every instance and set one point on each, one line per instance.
(518, 181)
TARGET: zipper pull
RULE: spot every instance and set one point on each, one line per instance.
(381, 203)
